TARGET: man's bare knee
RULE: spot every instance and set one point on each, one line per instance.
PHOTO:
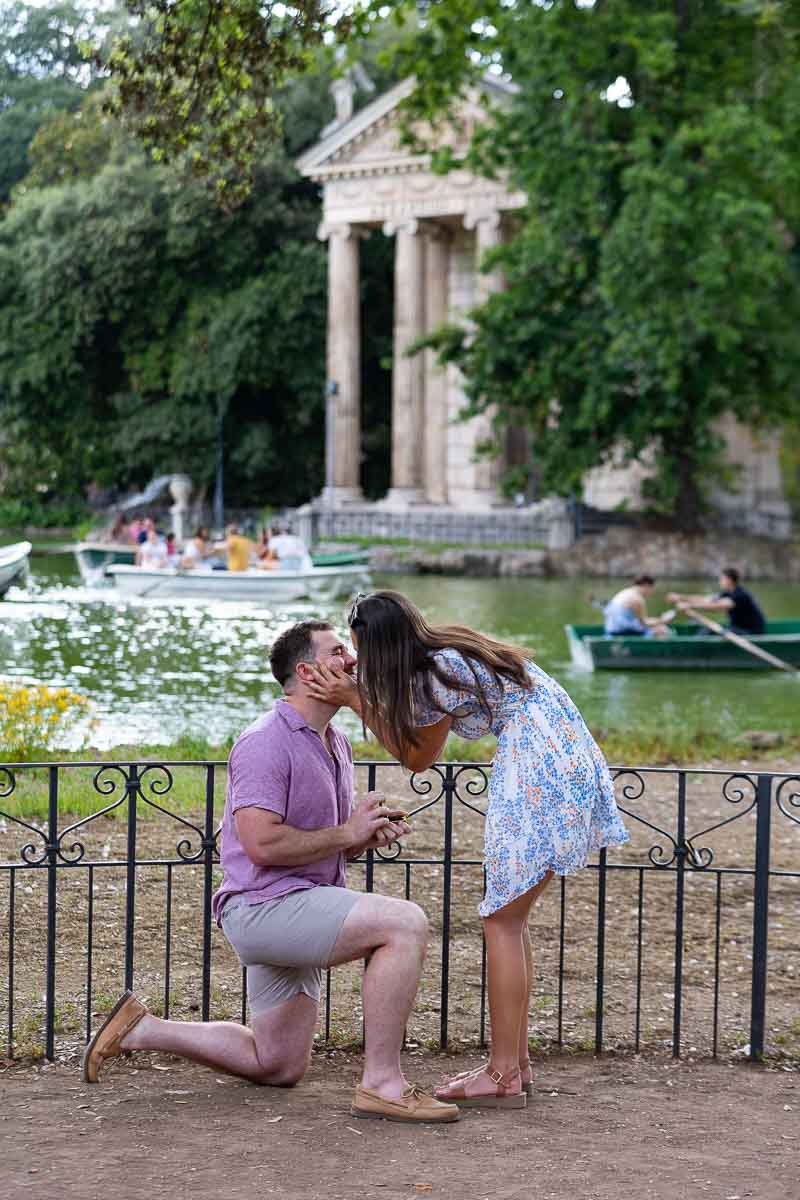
(282, 1070)
(287, 1075)
(402, 921)
(417, 921)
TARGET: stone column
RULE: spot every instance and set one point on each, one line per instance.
(343, 384)
(407, 372)
(437, 270)
(488, 235)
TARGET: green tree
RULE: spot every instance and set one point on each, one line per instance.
(202, 81)
(45, 68)
(130, 309)
(133, 311)
(652, 284)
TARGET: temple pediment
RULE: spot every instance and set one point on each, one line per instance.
(370, 142)
(370, 176)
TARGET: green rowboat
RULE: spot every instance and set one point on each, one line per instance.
(96, 556)
(340, 558)
(689, 648)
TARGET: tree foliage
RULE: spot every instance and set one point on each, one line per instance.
(134, 311)
(44, 69)
(200, 81)
(198, 78)
(653, 284)
(130, 311)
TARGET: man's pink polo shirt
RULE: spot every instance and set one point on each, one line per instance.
(280, 763)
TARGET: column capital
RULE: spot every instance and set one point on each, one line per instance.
(342, 229)
(489, 222)
(403, 225)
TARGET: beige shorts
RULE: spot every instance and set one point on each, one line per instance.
(286, 943)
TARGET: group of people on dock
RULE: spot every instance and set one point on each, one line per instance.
(291, 823)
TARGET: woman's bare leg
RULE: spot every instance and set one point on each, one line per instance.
(509, 977)
(527, 954)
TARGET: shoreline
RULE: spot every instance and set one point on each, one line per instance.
(618, 553)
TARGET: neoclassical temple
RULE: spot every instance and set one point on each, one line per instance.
(442, 226)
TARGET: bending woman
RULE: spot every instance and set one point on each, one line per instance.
(551, 798)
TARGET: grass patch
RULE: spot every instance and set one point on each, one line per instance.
(685, 748)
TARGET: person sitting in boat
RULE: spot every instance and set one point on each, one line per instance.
(239, 549)
(153, 552)
(196, 550)
(118, 531)
(147, 525)
(267, 560)
(625, 615)
(289, 549)
(744, 613)
(135, 528)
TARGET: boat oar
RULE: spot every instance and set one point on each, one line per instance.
(742, 642)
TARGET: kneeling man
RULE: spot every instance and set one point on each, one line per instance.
(289, 826)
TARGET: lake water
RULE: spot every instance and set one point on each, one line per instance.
(157, 669)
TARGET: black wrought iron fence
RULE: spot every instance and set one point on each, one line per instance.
(701, 909)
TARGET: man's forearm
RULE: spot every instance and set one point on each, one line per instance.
(286, 846)
(708, 604)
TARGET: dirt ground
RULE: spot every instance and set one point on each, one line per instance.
(596, 1129)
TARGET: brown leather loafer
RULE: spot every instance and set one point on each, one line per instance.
(413, 1107)
(106, 1043)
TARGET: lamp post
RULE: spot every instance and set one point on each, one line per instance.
(218, 504)
(331, 392)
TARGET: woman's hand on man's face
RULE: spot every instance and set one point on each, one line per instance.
(332, 684)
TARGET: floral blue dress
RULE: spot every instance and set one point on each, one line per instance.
(551, 797)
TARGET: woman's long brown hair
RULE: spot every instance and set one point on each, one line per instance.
(395, 643)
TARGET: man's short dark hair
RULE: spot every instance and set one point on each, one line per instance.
(732, 574)
(293, 646)
(644, 581)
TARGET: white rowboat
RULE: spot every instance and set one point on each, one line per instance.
(13, 562)
(317, 583)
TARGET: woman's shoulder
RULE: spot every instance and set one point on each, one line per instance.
(452, 661)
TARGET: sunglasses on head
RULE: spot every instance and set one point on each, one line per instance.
(353, 614)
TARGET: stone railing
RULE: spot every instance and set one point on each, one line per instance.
(549, 524)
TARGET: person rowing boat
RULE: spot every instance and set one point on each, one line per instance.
(745, 616)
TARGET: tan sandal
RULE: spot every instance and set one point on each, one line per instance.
(524, 1069)
(505, 1094)
(107, 1041)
